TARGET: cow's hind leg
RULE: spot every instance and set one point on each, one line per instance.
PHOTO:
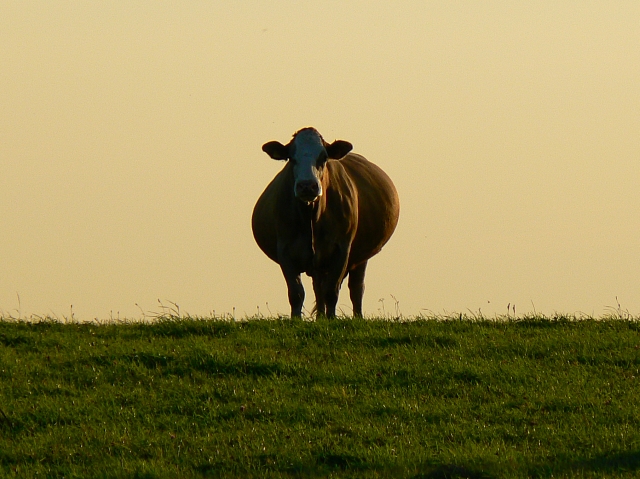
(331, 289)
(321, 309)
(356, 288)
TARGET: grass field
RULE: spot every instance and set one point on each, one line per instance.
(187, 397)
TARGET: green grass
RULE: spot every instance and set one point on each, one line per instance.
(345, 398)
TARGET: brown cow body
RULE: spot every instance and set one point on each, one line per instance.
(326, 224)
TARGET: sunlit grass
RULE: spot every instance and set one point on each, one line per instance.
(426, 397)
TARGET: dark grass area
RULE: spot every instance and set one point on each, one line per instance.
(343, 398)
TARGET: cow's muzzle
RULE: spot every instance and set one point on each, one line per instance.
(308, 190)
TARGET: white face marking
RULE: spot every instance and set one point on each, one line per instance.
(308, 148)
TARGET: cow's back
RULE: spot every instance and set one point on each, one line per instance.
(378, 207)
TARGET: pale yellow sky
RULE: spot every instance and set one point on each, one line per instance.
(130, 158)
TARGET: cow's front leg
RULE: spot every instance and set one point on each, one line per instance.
(295, 290)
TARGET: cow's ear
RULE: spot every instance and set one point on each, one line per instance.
(338, 149)
(276, 150)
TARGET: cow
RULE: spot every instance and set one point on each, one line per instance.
(326, 213)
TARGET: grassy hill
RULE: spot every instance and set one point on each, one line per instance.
(189, 397)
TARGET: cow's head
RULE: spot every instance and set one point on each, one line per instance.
(308, 153)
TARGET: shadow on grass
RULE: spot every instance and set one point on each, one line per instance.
(216, 367)
(415, 340)
(452, 471)
(177, 329)
(326, 463)
(608, 463)
(605, 464)
(211, 365)
(341, 461)
(13, 340)
(322, 464)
